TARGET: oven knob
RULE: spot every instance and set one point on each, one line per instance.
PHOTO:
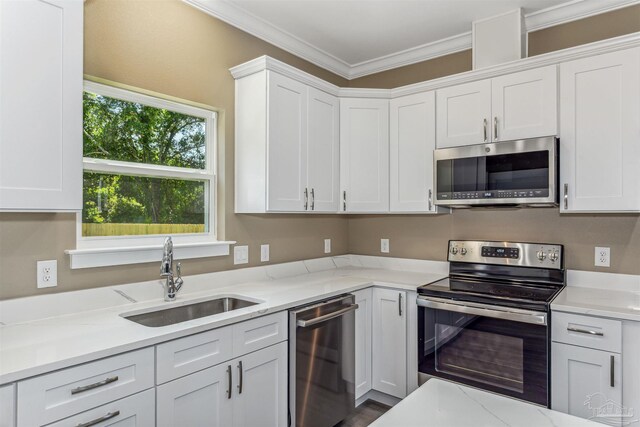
(454, 250)
(463, 251)
(553, 256)
(541, 255)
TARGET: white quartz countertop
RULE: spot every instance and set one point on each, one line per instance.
(69, 336)
(439, 403)
(599, 302)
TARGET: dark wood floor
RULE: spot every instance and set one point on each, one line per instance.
(364, 414)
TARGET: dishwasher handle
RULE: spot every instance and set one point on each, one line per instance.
(328, 316)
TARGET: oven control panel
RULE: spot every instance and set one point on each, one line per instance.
(541, 255)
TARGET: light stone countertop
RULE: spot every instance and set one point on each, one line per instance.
(66, 333)
(442, 403)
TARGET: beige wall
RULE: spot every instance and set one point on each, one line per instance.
(169, 47)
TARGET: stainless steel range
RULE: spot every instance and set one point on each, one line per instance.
(488, 324)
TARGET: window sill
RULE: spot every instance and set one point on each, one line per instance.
(104, 257)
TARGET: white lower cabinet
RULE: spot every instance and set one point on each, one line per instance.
(585, 381)
(248, 391)
(389, 342)
(8, 405)
(133, 411)
(364, 299)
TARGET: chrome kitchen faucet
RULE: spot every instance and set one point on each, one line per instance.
(171, 287)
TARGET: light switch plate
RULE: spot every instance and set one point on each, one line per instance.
(602, 257)
(47, 273)
(327, 246)
(384, 246)
(264, 253)
(241, 254)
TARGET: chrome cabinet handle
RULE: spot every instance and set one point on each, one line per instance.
(313, 199)
(94, 385)
(566, 196)
(429, 199)
(344, 200)
(230, 382)
(240, 377)
(400, 305)
(99, 420)
(484, 127)
(585, 331)
(306, 198)
(495, 128)
(612, 361)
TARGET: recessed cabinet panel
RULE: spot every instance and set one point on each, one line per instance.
(287, 146)
(524, 104)
(412, 141)
(363, 340)
(600, 124)
(463, 114)
(323, 151)
(41, 105)
(364, 148)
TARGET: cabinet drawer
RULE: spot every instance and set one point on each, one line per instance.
(8, 405)
(258, 333)
(133, 411)
(587, 331)
(51, 397)
(184, 356)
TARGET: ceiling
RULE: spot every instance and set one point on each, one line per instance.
(358, 37)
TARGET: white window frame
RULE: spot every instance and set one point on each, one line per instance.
(99, 251)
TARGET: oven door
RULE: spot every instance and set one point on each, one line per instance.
(499, 349)
(512, 172)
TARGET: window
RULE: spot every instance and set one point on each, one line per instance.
(149, 170)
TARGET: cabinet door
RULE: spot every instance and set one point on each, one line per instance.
(323, 168)
(389, 342)
(463, 114)
(260, 393)
(287, 144)
(8, 405)
(200, 399)
(412, 141)
(524, 105)
(363, 340)
(364, 155)
(585, 382)
(599, 128)
(41, 105)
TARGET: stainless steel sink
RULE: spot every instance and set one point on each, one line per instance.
(170, 316)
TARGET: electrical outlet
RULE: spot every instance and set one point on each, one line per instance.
(47, 273)
(241, 254)
(264, 253)
(603, 257)
(384, 246)
(327, 246)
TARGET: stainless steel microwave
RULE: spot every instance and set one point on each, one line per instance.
(517, 173)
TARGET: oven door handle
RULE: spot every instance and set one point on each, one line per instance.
(496, 312)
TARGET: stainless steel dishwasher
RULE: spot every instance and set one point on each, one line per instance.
(322, 362)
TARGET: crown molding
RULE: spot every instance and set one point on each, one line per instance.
(228, 12)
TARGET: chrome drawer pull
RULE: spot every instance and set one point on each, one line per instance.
(585, 331)
(94, 385)
(99, 420)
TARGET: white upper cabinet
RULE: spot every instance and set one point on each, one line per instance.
(323, 152)
(286, 146)
(463, 114)
(513, 106)
(600, 133)
(41, 105)
(364, 155)
(412, 140)
(525, 105)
